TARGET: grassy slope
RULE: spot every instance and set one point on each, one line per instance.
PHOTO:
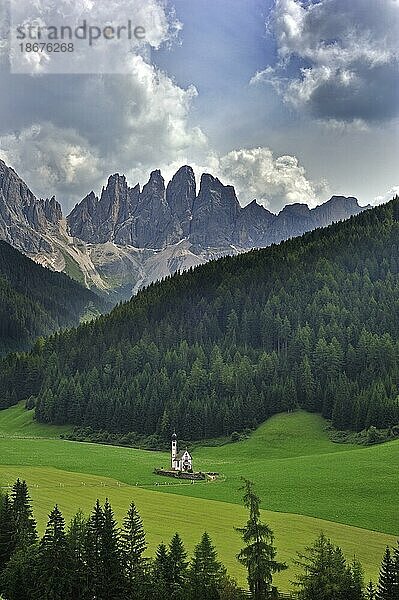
(295, 467)
(164, 515)
(18, 422)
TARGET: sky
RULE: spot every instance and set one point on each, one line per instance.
(287, 100)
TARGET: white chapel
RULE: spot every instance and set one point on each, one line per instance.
(180, 461)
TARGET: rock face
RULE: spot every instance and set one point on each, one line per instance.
(129, 237)
(24, 219)
(215, 214)
(180, 196)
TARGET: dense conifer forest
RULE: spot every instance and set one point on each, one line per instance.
(312, 322)
(93, 558)
(35, 301)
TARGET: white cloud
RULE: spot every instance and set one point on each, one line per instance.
(273, 181)
(337, 59)
(104, 54)
(51, 159)
(391, 193)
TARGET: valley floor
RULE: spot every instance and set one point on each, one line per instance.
(306, 482)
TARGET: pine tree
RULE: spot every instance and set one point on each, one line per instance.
(113, 581)
(160, 575)
(370, 591)
(396, 569)
(54, 559)
(386, 583)
(133, 546)
(76, 538)
(206, 572)
(93, 554)
(259, 554)
(25, 524)
(177, 566)
(7, 531)
(326, 576)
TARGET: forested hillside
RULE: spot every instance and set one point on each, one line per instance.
(35, 301)
(312, 322)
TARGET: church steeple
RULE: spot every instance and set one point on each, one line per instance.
(174, 449)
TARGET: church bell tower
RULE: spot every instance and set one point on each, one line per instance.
(174, 450)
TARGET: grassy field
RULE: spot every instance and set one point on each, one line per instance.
(163, 515)
(307, 484)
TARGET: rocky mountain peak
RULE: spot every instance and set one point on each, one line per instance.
(180, 196)
(25, 219)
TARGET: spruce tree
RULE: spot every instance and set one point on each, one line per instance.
(326, 576)
(386, 583)
(93, 553)
(177, 566)
(25, 524)
(7, 531)
(76, 538)
(259, 553)
(111, 559)
(160, 573)
(133, 546)
(54, 560)
(396, 569)
(370, 591)
(206, 572)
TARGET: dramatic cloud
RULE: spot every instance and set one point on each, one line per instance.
(52, 160)
(338, 60)
(66, 134)
(274, 182)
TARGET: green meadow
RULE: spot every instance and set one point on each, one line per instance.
(307, 484)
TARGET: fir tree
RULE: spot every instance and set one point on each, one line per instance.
(94, 576)
(326, 576)
(177, 566)
(259, 553)
(206, 572)
(386, 583)
(25, 524)
(133, 546)
(76, 538)
(111, 560)
(54, 559)
(7, 531)
(370, 591)
(160, 573)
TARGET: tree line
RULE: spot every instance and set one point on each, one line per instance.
(94, 559)
(312, 322)
(35, 301)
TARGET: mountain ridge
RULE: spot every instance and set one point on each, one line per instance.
(114, 241)
(311, 322)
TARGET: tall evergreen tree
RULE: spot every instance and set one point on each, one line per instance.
(111, 559)
(25, 524)
(259, 553)
(325, 574)
(370, 591)
(386, 583)
(94, 576)
(133, 546)
(206, 572)
(7, 530)
(76, 538)
(177, 558)
(55, 560)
